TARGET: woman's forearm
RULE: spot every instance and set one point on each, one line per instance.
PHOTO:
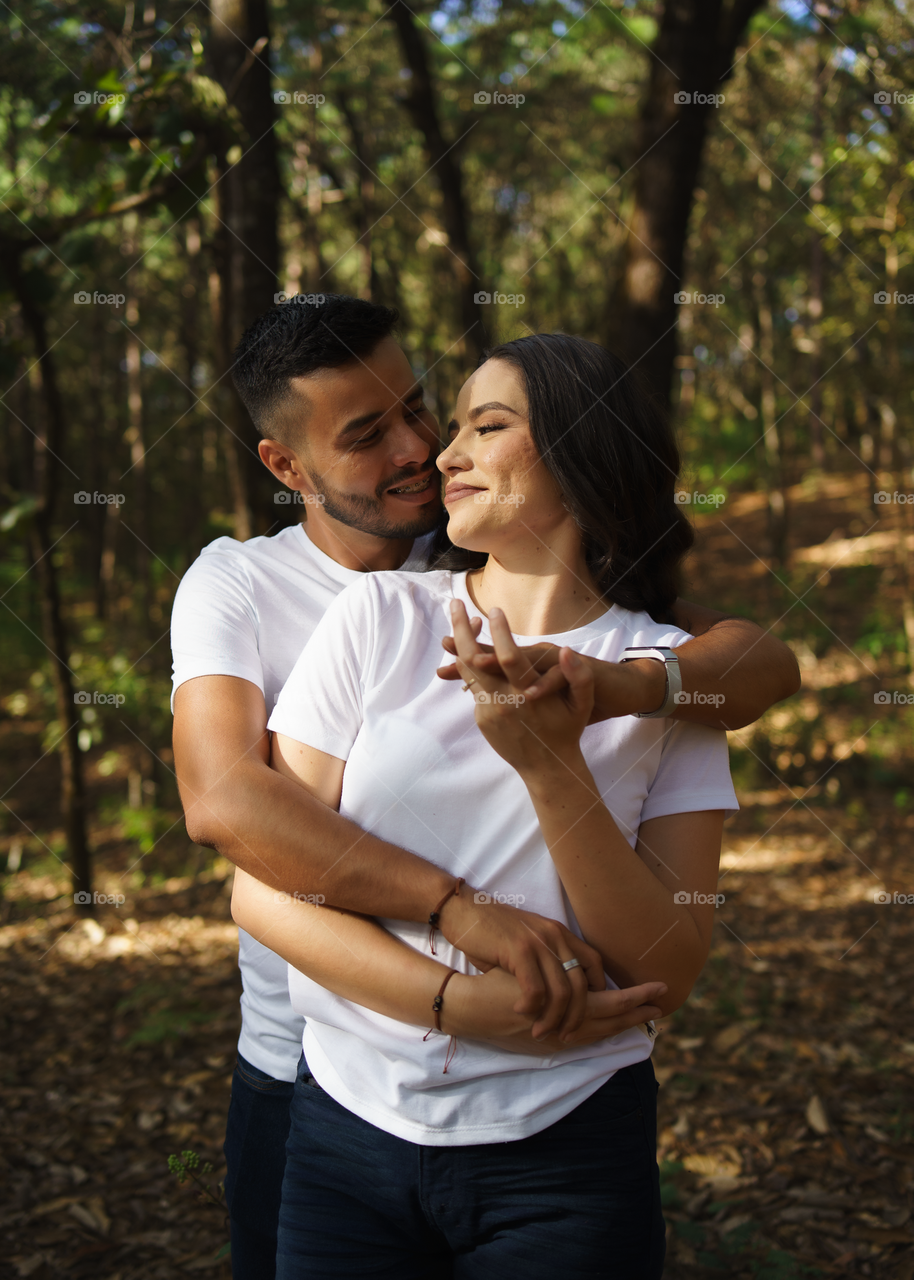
(623, 909)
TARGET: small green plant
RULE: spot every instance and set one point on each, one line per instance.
(189, 1165)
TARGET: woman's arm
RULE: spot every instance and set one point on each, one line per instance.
(357, 959)
(624, 899)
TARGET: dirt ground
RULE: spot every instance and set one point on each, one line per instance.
(786, 1107)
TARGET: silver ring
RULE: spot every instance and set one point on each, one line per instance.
(573, 963)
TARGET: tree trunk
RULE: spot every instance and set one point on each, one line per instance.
(46, 472)
(135, 436)
(774, 461)
(444, 162)
(692, 55)
(817, 195)
(249, 193)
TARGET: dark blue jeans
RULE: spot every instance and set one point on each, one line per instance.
(580, 1200)
(255, 1153)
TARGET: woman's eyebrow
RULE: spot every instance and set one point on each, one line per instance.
(480, 409)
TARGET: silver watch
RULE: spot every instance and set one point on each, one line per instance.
(673, 678)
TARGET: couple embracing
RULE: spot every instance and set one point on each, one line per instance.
(487, 877)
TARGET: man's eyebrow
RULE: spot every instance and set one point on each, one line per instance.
(356, 424)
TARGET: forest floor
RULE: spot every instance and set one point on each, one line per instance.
(786, 1103)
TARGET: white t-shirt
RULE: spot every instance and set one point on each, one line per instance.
(247, 609)
(420, 774)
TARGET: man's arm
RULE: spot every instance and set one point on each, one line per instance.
(271, 827)
(732, 670)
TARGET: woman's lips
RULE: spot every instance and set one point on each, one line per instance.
(453, 493)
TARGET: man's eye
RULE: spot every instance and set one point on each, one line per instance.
(418, 411)
(369, 439)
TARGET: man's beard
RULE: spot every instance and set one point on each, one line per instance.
(367, 514)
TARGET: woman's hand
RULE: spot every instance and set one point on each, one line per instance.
(529, 735)
(482, 1008)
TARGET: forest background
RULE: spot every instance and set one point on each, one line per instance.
(719, 191)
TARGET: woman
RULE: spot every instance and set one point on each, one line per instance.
(451, 1154)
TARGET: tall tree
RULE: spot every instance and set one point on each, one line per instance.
(691, 60)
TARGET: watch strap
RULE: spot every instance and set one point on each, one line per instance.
(660, 653)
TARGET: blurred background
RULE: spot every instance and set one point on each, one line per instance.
(719, 191)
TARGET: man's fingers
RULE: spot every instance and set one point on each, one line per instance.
(580, 680)
(552, 681)
(532, 990)
(594, 1029)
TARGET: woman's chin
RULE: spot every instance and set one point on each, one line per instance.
(467, 537)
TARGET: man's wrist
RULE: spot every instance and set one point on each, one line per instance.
(648, 684)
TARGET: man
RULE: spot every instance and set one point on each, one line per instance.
(344, 425)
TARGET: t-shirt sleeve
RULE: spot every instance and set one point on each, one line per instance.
(320, 704)
(214, 625)
(694, 773)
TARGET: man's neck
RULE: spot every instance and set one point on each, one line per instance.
(354, 549)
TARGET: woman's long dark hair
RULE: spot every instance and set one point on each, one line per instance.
(614, 458)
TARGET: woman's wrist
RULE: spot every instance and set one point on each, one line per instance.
(560, 777)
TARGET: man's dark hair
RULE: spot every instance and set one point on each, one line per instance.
(613, 455)
(297, 338)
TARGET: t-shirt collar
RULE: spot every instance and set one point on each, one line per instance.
(575, 638)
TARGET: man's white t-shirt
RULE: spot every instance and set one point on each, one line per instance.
(247, 609)
(420, 774)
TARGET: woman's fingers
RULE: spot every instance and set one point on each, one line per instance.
(464, 633)
(609, 1012)
(580, 681)
(517, 667)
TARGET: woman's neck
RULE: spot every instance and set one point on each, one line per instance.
(542, 593)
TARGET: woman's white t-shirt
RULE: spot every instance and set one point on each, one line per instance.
(420, 774)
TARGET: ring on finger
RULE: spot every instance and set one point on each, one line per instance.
(469, 682)
(573, 963)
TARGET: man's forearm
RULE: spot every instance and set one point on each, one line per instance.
(731, 674)
(257, 819)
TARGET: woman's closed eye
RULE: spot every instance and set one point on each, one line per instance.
(490, 426)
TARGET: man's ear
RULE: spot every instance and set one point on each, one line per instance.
(285, 464)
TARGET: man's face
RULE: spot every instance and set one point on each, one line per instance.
(368, 444)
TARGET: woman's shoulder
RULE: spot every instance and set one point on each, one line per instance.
(630, 630)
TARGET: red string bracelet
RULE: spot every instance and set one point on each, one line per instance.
(437, 1005)
(435, 916)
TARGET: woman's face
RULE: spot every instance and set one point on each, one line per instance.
(497, 488)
